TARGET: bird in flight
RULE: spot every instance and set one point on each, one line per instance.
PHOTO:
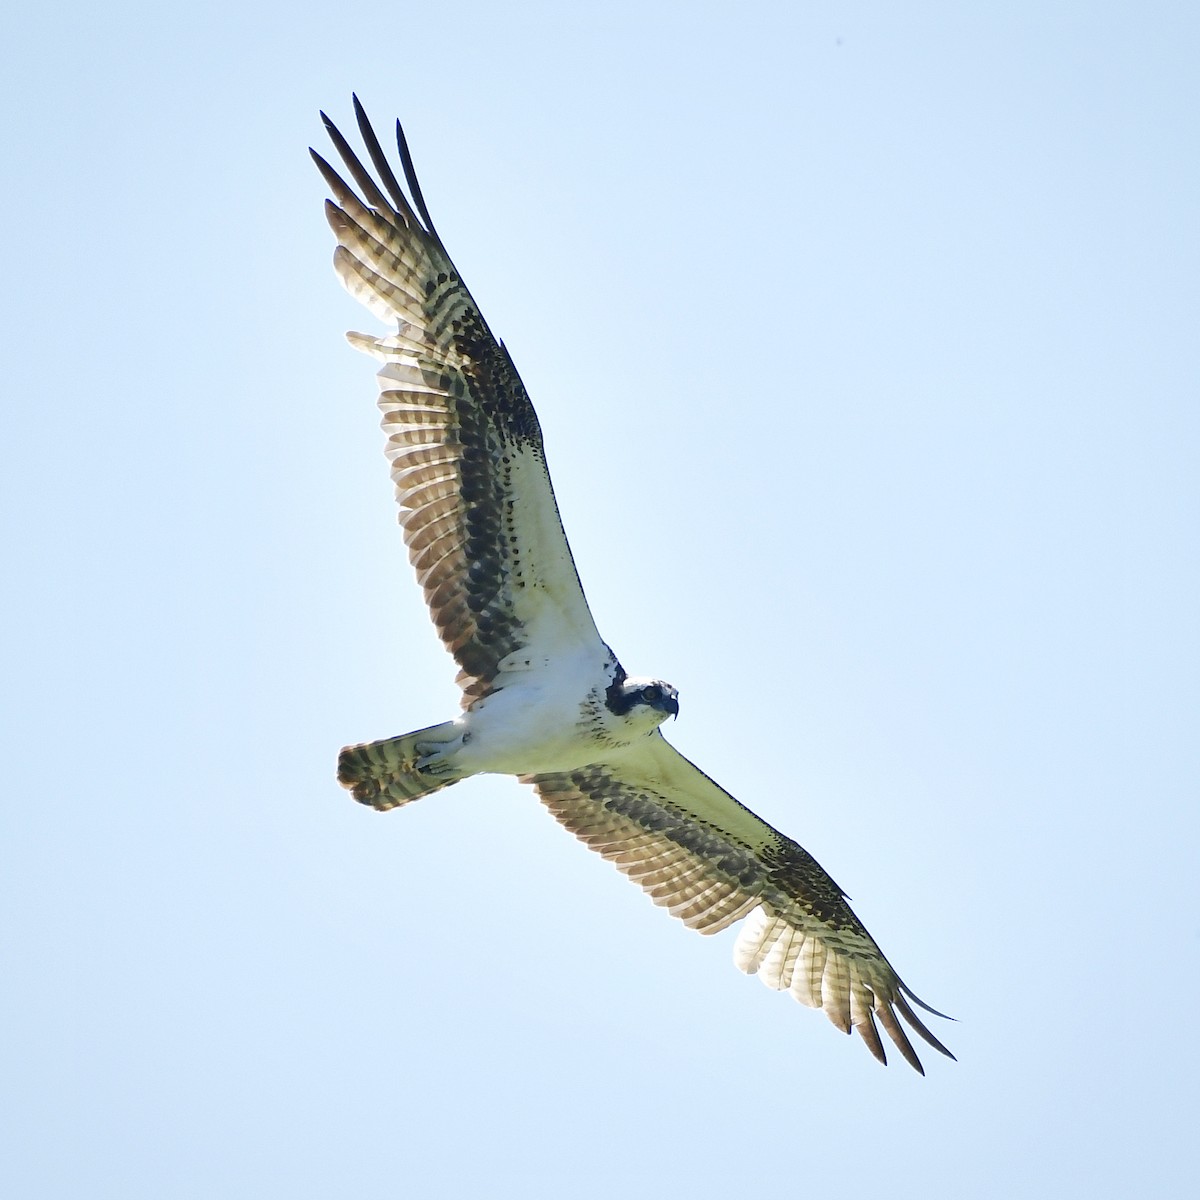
(543, 696)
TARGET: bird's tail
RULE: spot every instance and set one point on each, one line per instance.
(385, 774)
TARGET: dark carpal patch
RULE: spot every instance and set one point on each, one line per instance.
(803, 880)
(616, 698)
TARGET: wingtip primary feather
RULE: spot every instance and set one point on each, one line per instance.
(380, 161)
(921, 1004)
(894, 1030)
(370, 190)
(911, 1017)
(870, 1035)
(338, 221)
(410, 175)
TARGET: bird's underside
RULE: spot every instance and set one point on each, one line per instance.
(543, 697)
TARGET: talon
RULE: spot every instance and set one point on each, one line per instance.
(433, 758)
(436, 758)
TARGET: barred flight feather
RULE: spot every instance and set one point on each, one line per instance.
(639, 812)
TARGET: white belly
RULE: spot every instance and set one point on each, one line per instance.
(528, 727)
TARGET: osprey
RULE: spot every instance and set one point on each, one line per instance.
(543, 696)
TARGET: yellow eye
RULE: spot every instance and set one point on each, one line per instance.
(652, 694)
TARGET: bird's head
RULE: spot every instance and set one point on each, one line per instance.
(643, 699)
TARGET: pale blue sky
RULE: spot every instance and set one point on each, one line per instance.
(865, 347)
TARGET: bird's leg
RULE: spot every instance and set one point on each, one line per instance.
(436, 758)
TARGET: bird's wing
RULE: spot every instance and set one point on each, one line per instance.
(710, 861)
(477, 506)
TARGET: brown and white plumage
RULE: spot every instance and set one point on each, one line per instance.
(710, 861)
(544, 698)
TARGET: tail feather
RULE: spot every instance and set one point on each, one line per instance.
(384, 774)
